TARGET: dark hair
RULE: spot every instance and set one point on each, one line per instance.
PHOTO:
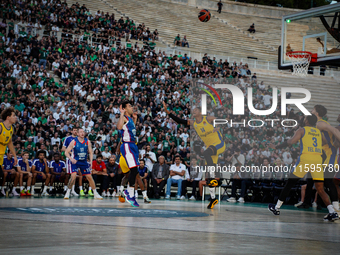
(56, 154)
(321, 110)
(25, 152)
(74, 127)
(142, 160)
(312, 119)
(39, 152)
(124, 103)
(100, 156)
(178, 156)
(7, 113)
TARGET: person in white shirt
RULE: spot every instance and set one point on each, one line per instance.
(106, 154)
(134, 84)
(185, 136)
(57, 114)
(177, 174)
(55, 30)
(266, 99)
(148, 156)
(77, 87)
(55, 139)
(237, 157)
(192, 179)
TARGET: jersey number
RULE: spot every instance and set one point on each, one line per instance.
(315, 144)
(7, 139)
(202, 130)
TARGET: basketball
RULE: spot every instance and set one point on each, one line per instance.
(204, 15)
(121, 199)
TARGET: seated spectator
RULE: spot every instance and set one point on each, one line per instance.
(143, 173)
(113, 176)
(252, 28)
(239, 179)
(10, 174)
(192, 180)
(177, 174)
(185, 42)
(159, 176)
(155, 35)
(99, 173)
(177, 40)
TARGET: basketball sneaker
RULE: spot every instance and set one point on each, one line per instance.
(131, 200)
(90, 193)
(15, 193)
(114, 194)
(192, 198)
(81, 193)
(28, 193)
(67, 195)
(271, 207)
(44, 193)
(97, 196)
(147, 200)
(232, 200)
(32, 192)
(331, 217)
(212, 203)
(23, 193)
(298, 204)
(73, 193)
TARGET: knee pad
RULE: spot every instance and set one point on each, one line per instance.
(213, 182)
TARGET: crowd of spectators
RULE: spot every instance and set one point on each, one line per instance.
(56, 83)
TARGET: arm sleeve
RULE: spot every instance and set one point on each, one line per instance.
(178, 120)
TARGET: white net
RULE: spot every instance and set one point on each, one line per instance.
(300, 62)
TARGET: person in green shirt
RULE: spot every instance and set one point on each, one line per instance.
(43, 53)
(177, 40)
(43, 119)
(19, 106)
(92, 136)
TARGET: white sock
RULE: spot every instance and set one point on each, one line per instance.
(3, 188)
(90, 188)
(212, 193)
(21, 188)
(128, 186)
(28, 188)
(131, 191)
(330, 209)
(51, 187)
(65, 187)
(80, 187)
(144, 194)
(278, 204)
(32, 187)
(73, 187)
(121, 188)
(45, 188)
(95, 192)
(335, 205)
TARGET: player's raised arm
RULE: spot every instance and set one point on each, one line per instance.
(326, 127)
(122, 118)
(175, 118)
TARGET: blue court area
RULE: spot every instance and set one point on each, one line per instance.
(88, 226)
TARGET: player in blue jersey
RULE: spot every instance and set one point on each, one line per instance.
(129, 149)
(58, 171)
(41, 171)
(9, 173)
(81, 147)
(24, 169)
(66, 143)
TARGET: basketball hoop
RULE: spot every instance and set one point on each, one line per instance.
(300, 61)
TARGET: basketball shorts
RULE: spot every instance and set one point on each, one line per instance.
(123, 165)
(309, 163)
(220, 147)
(83, 167)
(68, 166)
(332, 168)
(130, 153)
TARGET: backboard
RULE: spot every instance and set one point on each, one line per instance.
(316, 30)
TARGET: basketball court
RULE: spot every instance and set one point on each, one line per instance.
(56, 226)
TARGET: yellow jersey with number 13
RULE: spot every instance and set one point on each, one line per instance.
(311, 142)
(5, 137)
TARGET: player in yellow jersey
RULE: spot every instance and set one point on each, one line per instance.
(213, 142)
(6, 131)
(310, 160)
(330, 133)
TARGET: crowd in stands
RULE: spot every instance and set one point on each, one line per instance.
(56, 84)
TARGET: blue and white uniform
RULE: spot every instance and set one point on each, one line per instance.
(67, 142)
(80, 152)
(129, 149)
(40, 167)
(57, 167)
(22, 164)
(8, 163)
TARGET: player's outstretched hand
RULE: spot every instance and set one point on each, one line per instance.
(122, 111)
(165, 108)
(134, 116)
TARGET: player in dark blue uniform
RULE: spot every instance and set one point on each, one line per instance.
(81, 149)
(10, 174)
(24, 169)
(66, 143)
(129, 149)
(41, 171)
(58, 171)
